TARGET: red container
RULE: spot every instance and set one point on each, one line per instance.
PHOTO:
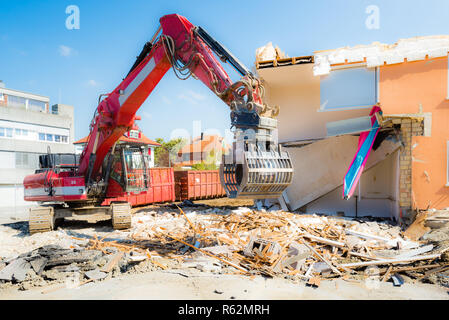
(198, 184)
(162, 189)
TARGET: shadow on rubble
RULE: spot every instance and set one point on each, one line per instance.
(67, 226)
(101, 226)
(21, 226)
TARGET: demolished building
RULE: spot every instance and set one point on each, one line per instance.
(325, 100)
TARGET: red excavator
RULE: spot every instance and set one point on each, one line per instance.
(70, 186)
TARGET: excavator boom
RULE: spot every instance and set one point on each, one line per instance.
(257, 167)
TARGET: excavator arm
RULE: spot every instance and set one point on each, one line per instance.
(257, 167)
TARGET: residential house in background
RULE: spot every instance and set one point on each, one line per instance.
(133, 137)
(29, 127)
(205, 148)
(321, 96)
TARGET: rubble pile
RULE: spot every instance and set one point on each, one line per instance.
(279, 243)
(242, 241)
(48, 263)
(85, 261)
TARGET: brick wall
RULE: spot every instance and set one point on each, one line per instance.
(408, 127)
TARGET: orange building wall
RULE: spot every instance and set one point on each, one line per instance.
(403, 87)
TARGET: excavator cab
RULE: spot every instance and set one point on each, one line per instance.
(130, 169)
(135, 170)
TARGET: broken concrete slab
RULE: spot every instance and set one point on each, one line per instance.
(95, 274)
(283, 202)
(17, 270)
(113, 261)
(38, 264)
(52, 250)
(321, 267)
(2, 264)
(53, 274)
(73, 257)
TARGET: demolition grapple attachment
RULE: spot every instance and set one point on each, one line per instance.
(257, 167)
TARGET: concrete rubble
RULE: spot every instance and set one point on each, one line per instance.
(242, 241)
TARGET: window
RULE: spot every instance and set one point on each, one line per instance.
(116, 172)
(16, 102)
(27, 160)
(54, 109)
(350, 88)
(36, 105)
(2, 97)
(9, 132)
(64, 139)
(21, 160)
(2, 132)
(49, 137)
(57, 138)
(41, 136)
(20, 132)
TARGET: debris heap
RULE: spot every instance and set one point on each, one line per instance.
(243, 241)
(278, 243)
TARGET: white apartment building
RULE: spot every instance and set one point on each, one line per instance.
(29, 127)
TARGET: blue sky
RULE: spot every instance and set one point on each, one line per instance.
(40, 55)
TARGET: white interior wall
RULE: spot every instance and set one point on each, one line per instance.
(297, 92)
(378, 194)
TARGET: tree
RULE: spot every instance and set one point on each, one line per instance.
(167, 152)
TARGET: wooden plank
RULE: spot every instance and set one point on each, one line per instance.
(320, 256)
(435, 270)
(414, 252)
(417, 229)
(387, 274)
(365, 235)
(324, 240)
(390, 261)
(361, 255)
(402, 269)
